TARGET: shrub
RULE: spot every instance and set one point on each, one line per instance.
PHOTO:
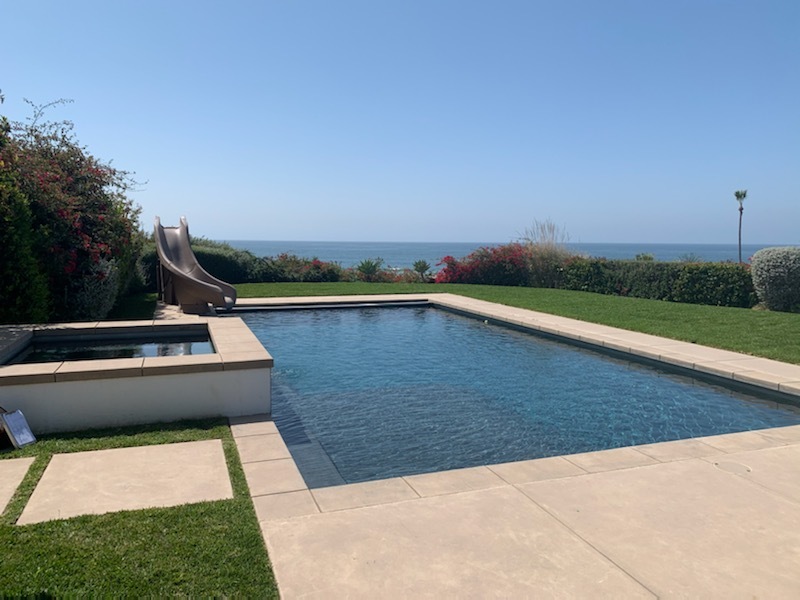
(588, 275)
(92, 297)
(290, 267)
(644, 279)
(228, 264)
(546, 264)
(24, 297)
(84, 227)
(719, 284)
(221, 260)
(422, 270)
(776, 277)
(370, 269)
(508, 264)
(316, 270)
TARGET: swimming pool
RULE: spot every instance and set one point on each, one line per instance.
(364, 394)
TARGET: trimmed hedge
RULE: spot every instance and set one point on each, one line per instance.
(241, 266)
(776, 276)
(717, 284)
(225, 263)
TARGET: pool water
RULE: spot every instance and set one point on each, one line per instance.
(364, 394)
(101, 349)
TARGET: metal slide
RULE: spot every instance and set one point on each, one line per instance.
(181, 279)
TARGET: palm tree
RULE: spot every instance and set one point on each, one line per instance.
(740, 196)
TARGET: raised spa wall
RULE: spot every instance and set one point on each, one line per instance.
(85, 394)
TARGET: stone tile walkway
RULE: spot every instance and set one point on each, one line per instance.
(717, 517)
(102, 481)
(12, 472)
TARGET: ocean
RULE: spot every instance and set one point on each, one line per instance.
(402, 255)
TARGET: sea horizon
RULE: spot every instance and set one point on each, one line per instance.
(402, 255)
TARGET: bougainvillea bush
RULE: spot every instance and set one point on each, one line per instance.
(84, 229)
(508, 264)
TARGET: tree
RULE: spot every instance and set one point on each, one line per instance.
(740, 196)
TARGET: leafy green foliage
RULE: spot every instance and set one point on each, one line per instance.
(776, 276)
(369, 269)
(24, 297)
(719, 284)
(83, 226)
(422, 268)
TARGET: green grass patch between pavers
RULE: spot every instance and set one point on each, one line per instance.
(757, 332)
(197, 550)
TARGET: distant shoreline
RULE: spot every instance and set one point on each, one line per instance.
(401, 255)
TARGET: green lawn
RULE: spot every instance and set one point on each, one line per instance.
(757, 332)
(209, 549)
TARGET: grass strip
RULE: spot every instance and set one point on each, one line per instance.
(757, 332)
(198, 550)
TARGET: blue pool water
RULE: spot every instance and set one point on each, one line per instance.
(363, 394)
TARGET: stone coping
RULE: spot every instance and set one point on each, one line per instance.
(279, 491)
(704, 361)
(236, 348)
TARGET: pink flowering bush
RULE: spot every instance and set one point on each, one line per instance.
(501, 265)
(83, 227)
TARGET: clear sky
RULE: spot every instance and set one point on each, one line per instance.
(430, 120)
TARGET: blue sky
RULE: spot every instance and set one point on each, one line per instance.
(430, 120)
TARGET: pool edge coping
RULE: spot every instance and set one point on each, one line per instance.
(235, 348)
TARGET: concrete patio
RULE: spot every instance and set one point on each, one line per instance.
(715, 517)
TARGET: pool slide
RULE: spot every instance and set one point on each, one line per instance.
(181, 279)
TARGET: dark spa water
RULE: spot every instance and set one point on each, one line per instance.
(97, 350)
(363, 394)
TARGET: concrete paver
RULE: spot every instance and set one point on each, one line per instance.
(456, 480)
(102, 481)
(255, 448)
(273, 477)
(252, 425)
(738, 442)
(358, 495)
(12, 472)
(284, 506)
(609, 460)
(490, 543)
(678, 450)
(684, 528)
(775, 469)
(526, 471)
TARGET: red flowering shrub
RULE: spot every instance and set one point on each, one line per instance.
(501, 265)
(84, 228)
